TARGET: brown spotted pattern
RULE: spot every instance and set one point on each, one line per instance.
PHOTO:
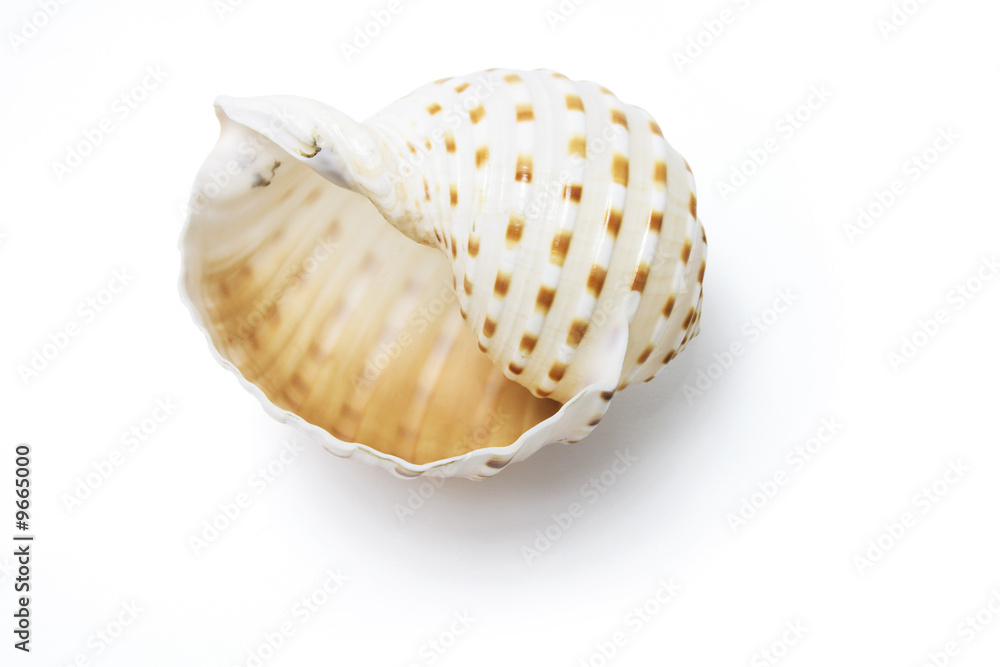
(620, 230)
(544, 246)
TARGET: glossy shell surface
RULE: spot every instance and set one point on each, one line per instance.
(468, 275)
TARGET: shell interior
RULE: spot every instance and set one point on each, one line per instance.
(337, 317)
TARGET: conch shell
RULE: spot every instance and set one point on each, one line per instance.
(468, 275)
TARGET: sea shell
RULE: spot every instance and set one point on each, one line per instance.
(550, 255)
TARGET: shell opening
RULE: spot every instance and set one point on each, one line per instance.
(336, 316)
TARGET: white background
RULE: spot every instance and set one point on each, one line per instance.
(797, 560)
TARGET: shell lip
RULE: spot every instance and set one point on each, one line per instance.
(304, 127)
